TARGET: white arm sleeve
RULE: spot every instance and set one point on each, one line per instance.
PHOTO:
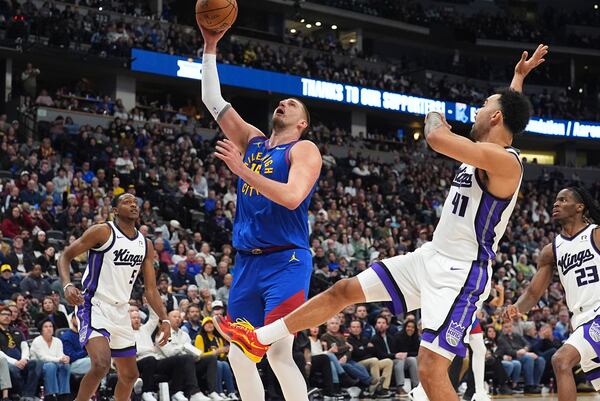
(211, 87)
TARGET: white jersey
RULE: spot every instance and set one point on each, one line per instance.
(578, 263)
(473, 221)
(113, 267)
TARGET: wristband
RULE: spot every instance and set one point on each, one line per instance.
(67, 286)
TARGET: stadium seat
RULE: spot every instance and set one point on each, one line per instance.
(6, 174)
(55, 234)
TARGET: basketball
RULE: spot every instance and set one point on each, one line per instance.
(216, 15)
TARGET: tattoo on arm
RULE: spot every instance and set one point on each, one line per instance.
(433, 121)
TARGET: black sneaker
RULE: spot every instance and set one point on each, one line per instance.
(532, 390)
(505, 390)
(384, 393)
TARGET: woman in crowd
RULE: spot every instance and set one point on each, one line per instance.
(180, 253)
(50, 312)
(408, 342)
(209, 342)
(205, 279)
(57, 370)
(40, 242)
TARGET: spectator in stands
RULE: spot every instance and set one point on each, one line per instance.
(513, 346)
(48, 351)
(61, 181)
(209, 343)
(206, 253)
(181, 344)
(363, 352)
(78, 356)
(40, 242)
(44, 99)
(193, 321)
(170, 301)
(386, 348)
(9, 283)
(361, 315)
(35, 284)
(180, 279)
(48, 262)
(29, 80)
(24, 306)
(223, 292)
(337, 344)
(205, 279)
(24, 373)
(50, 312)
(15, 223)
(20, 259)
(561, 330)
(178, 366)
(408, 342)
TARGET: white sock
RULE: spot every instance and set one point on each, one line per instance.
(291, 380)
(478, 364)
(272, 332)
(246, 375)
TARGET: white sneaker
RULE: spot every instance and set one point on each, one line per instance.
(179, 396)
(148, 396)
(215, 397)
(137, 387)
(199, 397)
(233, 397)
(480, 397)
(418, 394)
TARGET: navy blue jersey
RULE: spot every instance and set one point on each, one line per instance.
(260, 222)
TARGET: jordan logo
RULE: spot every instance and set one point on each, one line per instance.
(294, 258)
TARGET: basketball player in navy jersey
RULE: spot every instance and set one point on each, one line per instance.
(277, 177)
(117, 253)
(576, 254)
(448, 278)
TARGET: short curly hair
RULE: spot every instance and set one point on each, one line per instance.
(516, 110)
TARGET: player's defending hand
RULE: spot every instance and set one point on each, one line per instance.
(230, 154)
(525, 66)
(73, 295)
(165, 334)
(511, 312)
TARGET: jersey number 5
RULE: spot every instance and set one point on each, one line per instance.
(462, 201)
(587, 275)
(133, 273)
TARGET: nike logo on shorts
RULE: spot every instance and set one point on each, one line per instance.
(596, 310)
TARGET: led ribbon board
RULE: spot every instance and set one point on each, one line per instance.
(268, 81)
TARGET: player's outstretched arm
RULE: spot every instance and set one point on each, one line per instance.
(540, 281)
(492, 158)
(234, 126)
(305, 167)
(152, 295)
(524, 66)
(91, 238)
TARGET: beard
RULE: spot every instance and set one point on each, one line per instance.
(473, 133)
(277, 123)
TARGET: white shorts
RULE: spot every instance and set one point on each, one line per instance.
(98, 318)
(586, 340)
(448, 291)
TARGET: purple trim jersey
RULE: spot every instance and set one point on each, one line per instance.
(473, 220)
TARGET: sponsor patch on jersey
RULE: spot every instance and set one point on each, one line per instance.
(595, 331)
(454, 333)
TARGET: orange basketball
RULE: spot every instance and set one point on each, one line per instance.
(216, 15)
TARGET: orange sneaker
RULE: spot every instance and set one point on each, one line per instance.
(242, 334)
